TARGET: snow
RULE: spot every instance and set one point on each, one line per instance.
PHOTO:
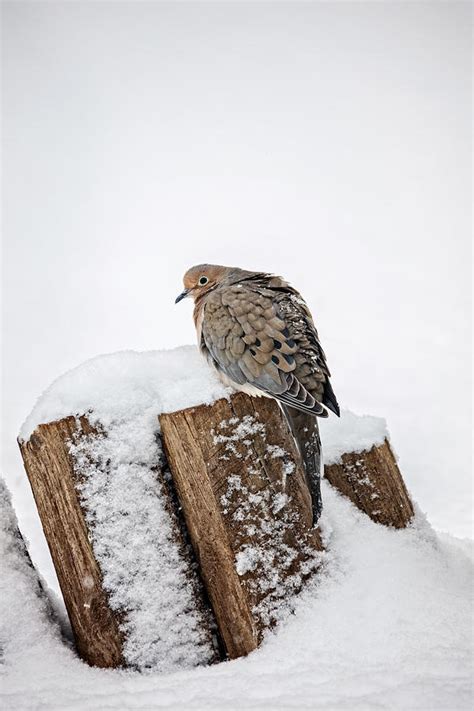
(350, 433)
(241, 430)
(144, 572)
(386, 626)
(282, 560)
(119, 386)
(265, 542)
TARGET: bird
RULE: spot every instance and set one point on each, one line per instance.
(258, 333)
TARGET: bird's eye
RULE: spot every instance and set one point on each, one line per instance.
(203, 280)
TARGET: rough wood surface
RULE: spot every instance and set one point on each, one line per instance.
(248, 510)
(51, 473)
(372, 481)
(54, 474)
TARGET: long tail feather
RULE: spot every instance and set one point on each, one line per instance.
(306, 433)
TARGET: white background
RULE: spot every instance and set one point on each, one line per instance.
(327, 142)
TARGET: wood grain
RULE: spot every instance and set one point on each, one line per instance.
(247, 508)
(372, 481)
(52, 477)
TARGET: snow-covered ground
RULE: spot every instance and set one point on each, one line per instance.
(386, 625)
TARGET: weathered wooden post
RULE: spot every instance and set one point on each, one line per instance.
(247, 508)
(372, 480)
(50, 470)
(55, 476)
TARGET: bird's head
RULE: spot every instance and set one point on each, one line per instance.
(200, 279)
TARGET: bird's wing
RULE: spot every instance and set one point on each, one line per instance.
(245, 333)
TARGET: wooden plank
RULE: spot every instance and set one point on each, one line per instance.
(54, 474)
(52, 477)
(373, 482)
(247, 507)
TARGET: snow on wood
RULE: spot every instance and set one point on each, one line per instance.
(248, 510)
(410, 586)
(359, 462)
(350, 433)
(51, 474)
(247, 478)
(127, 583)
(372, 481)
(123, 386)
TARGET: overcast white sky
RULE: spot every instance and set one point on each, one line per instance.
(328, 142)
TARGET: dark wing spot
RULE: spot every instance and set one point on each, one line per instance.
(289, 358)
(276, 344)
(286, 332)
(290, 343)
(258, 342)
(252, 351)
(275, 359)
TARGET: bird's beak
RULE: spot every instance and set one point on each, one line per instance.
(182, 296)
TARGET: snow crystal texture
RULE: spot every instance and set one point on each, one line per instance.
(273, 552)
(134, 541)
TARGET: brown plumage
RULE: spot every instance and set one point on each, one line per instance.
(259, 334)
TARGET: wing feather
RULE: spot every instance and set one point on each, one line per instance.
(248, 339)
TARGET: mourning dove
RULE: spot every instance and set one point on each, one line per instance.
(258, 333)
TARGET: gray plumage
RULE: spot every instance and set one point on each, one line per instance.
(258, 333)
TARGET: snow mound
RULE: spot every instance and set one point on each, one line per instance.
(25, 610)
(119, 386)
